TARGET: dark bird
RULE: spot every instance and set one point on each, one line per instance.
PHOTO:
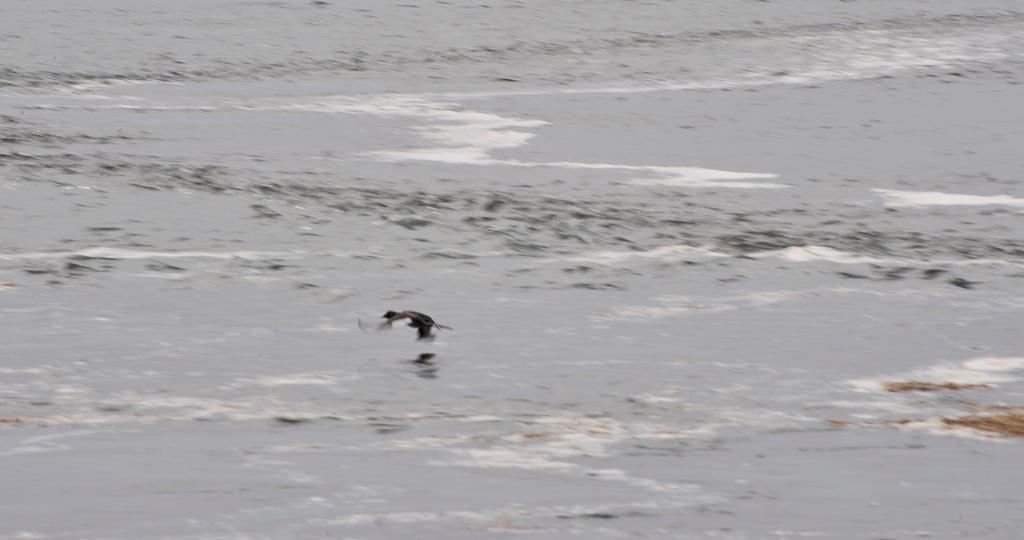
(425, 327)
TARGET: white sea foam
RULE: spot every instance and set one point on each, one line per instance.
(27, 535)
(81, 89)
(667, 306)
(148, 409)
(554, 443)
(466, 137)
(827, 254)
(517, 512)
(984, 370)
(935, 426)
(818, 253)
(792, 533)
(701, 177)
(845, 55)
(675, 252)
(884, 406)
(475, 149)
(140, 408)
(795, 254)
(546, 443)
(667, 253)
(895, 198)
(295, 379)
(293, 448)
(810, 254)
(119, 253)
(469, 137)
(654, 312)
(29, 370)
(44, 443)
(988, 370)
(995, 364)
(133, 107)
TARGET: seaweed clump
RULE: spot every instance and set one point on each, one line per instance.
(1010, 423)
(922, 386)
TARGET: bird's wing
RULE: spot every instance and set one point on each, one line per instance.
(399, 316)
(367, 327)
(386, 325)
(419, 318)
(424, 332)
(391, 320)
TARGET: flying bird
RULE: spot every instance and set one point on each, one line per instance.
(425, 327)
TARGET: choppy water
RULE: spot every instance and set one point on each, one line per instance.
(682, 246)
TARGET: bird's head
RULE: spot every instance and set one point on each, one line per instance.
(390, 314)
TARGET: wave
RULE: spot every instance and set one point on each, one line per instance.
(797, 254)
(896, 199)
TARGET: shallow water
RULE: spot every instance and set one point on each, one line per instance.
(682, 247)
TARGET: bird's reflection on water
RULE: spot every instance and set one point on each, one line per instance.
(425, 366)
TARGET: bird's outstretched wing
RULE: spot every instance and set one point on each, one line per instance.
(386, 325)
(392, 319)
(366, 327)
(370, 327)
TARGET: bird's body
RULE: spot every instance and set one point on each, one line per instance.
(425, 326)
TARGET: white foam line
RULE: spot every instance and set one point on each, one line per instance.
(862, 63)
(554, 444)
(983, 370)
(311, 378)
(793, 253)
(131, 254)
(657, 312)
(28, 370)
(293, 448)
(44, 443)
(864, 54)
(696, 177)
(469, 138)
(670, 176)
(108, 83)
(797, 254)
(27, 535)
(897, 199)
(181, 276)
(896, 404)
(669, 306)
(987, 370)
(663, 253)
(516, 512)
(827, 254)
(148, 409)
(145, 409)
(820, 253)
(935, 426)
(118, 253)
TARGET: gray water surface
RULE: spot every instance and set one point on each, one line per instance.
(681, 245)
